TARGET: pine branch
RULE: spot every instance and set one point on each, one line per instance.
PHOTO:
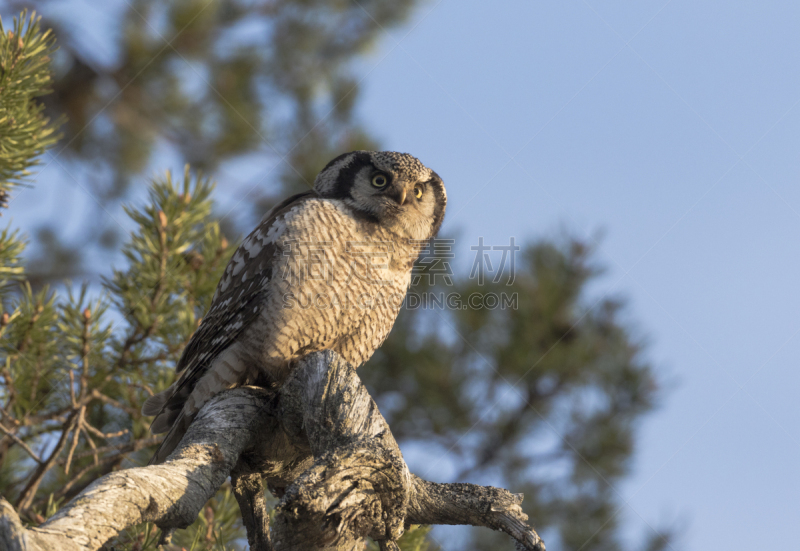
(26, 496)
(25, 133)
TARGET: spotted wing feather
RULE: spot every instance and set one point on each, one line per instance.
(235, 306)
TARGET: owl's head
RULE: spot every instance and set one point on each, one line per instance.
(394, 189)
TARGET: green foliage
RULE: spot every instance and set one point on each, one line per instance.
(178, 256)
(11, 268)
(78, 366)
(25, 132)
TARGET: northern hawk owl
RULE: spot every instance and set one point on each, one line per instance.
(326, 269)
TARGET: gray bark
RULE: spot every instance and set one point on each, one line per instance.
(321, 445)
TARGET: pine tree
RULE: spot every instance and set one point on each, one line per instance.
(77, 364)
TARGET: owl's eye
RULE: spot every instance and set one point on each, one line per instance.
(380, 180)
(419, 189)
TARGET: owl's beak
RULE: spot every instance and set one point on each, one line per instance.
(398, 195)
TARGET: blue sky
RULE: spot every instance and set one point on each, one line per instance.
(671, 130)
(667, 131)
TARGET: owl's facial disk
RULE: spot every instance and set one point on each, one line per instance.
(394, 188)
(404, 203)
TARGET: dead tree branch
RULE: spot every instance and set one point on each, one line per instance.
(321, 445)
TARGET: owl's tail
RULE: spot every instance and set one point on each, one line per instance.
(172, 439)
(170, 418)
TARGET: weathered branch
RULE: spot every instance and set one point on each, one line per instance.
(170, 495)
(473, 505)
(249, 492)
(320, 444)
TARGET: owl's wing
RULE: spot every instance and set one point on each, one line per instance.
(236, 304)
